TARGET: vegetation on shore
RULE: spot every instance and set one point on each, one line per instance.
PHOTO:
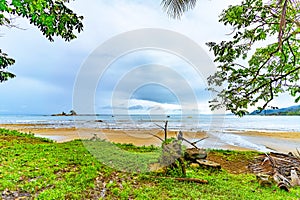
(39, 168)
(292, 110)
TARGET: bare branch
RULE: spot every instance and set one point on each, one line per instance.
(157, 137)
(282, 23)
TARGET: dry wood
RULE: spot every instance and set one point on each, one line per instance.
(180, 137)
(193, 154)
(283, 168)
(295, 181)
(208, 163)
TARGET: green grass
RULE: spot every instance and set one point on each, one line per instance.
(50, 170)
(47, 170)
(232, 155)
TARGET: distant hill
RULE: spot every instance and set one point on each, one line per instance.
(292, 110)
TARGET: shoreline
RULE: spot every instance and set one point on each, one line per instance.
(232, 140)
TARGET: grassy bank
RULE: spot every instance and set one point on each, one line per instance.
(39, 168)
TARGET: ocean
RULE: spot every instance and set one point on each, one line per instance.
(219, 127)
(224, 123)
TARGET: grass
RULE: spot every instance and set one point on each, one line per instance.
(41, 169)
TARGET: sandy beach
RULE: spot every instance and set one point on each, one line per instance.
(277, 141)
(136, 137)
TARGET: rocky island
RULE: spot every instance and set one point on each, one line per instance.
(71, 113)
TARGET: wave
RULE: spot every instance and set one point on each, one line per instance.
(209, 123)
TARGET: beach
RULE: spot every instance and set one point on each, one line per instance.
(234, 140)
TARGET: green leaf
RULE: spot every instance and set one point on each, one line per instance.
(271, 69)
(52, 17)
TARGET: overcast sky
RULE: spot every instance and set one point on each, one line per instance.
(139, 82)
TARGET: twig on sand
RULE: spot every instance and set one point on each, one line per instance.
(159, 126)
(157, 137)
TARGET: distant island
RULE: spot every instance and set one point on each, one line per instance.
(292, 110)
(71, 113)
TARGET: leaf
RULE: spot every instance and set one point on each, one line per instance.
(271, 69)
(297, 99)
(52, 17)
(175, 8)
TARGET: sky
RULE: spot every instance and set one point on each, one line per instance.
(144, 80)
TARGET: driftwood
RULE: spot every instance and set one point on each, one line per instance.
(294, 178)
(165, 130)
(208, 164)
(193, 154)
(197, 157)
(180, 137)
(172, 152)
(283, 169)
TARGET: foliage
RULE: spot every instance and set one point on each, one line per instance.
(5, 61)
(297, 112)
(293, 110)
(52, 17)
(45, 170)
(272, 69)
(175, 8)
(291, 113)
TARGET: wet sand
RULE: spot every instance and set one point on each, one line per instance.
(278, 141)
(279, 135)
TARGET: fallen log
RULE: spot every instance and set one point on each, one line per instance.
(208, 163)
(192, 154)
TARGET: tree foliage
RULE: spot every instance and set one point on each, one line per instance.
(52, 17)
(175, 8)
(272, 69)
(5, 62)
(248, 78)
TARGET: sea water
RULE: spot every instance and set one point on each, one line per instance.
(222, 123)
(219, 126)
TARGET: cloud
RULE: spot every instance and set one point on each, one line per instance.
(139, 106)
(146, 106)
(50, 68)
(156, 93)
(136, 107)
(158, 80)
(154, 83)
